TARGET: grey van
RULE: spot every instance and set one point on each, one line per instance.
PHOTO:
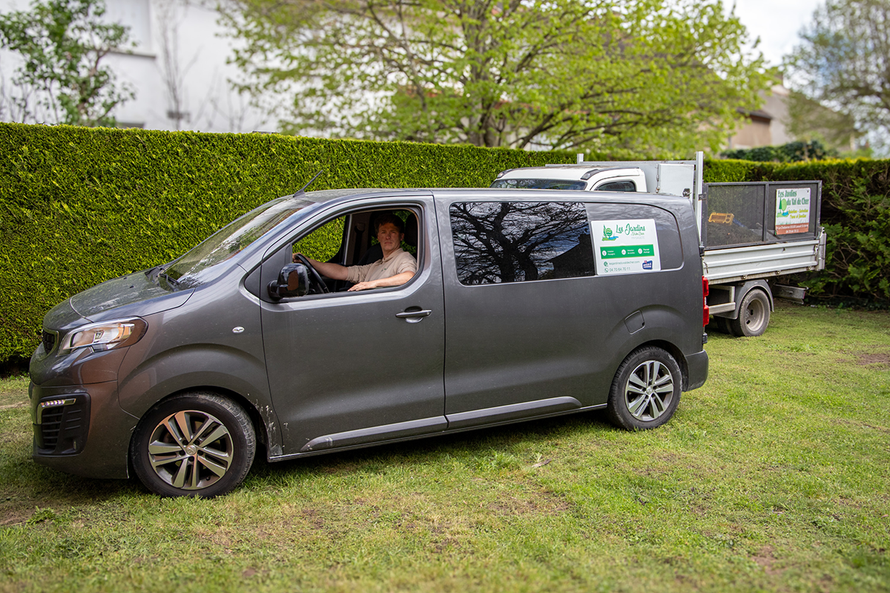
(524, 304)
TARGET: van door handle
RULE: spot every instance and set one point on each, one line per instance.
(414, 314)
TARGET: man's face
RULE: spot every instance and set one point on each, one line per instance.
(389, 236)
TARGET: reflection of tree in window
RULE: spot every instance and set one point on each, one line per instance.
(498, 242)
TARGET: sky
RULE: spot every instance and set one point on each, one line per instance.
(776, 22)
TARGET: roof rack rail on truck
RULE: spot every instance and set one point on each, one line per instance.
(751, 233)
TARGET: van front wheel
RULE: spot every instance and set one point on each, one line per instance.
(197, 444)
(646, 389)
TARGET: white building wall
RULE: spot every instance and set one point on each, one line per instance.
(178, 51)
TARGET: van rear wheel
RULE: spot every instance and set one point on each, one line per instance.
(646, 389)
(196, 444)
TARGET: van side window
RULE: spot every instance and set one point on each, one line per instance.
(350, 240)
(323, 243)
(497, 242)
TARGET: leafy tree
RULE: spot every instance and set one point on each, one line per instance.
(62, 44)
(619, 76)
(843, 63)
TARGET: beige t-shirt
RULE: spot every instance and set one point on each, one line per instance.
(398, 261)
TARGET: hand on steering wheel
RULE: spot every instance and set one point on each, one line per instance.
(314, 277)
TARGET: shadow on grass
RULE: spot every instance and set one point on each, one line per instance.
(28, 489)
(42, 489)
(468, 445)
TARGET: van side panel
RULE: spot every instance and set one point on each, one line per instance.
(519, 344)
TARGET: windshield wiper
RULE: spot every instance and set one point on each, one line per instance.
(170, 279)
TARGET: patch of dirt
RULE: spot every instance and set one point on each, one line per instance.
(15, 516)
(313, 517)
(874, 358)
(539, 505)
(766, 559)
(861, 425)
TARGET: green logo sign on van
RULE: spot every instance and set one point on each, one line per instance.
(625, 246)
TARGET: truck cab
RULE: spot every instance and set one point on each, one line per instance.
(580, 176)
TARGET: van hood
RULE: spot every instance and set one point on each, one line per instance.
(134, 294)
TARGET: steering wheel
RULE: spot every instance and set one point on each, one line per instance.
(315, 278)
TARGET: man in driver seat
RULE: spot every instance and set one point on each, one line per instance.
(396, 268)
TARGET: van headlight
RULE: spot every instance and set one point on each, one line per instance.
(106, 335)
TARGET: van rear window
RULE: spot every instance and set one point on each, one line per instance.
(499, 242)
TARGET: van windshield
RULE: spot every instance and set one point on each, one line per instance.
(200, 265)
(540, 184)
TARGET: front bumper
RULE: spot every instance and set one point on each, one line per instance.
(81, 429)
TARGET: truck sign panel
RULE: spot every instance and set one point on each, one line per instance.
(792, 211)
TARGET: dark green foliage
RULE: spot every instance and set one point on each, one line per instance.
(731, 171)
(79, 206)
(856, 216)
(787, 153)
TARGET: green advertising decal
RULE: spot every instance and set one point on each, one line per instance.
(625, 246)
(792, 211)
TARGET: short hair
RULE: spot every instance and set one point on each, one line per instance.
(388, 217)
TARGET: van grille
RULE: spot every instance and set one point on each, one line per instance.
(62, 425)
(49, 341)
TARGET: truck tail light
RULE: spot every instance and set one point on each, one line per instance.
(705, 289)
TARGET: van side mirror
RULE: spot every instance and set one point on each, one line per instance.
(293, 281)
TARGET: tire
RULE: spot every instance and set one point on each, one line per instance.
(720, 325)
(646, 390)
(753, 315)
(196, 444)
(723, 325)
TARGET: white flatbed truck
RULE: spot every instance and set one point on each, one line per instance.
(751, 233)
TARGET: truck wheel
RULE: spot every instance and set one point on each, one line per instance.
(646, 389)
(196, 444)
(753, 315)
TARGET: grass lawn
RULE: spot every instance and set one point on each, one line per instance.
(775, 476)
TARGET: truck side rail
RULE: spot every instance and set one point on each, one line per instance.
(764, 261)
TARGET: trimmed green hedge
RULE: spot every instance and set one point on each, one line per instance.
(856, 217)
(81, 205)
